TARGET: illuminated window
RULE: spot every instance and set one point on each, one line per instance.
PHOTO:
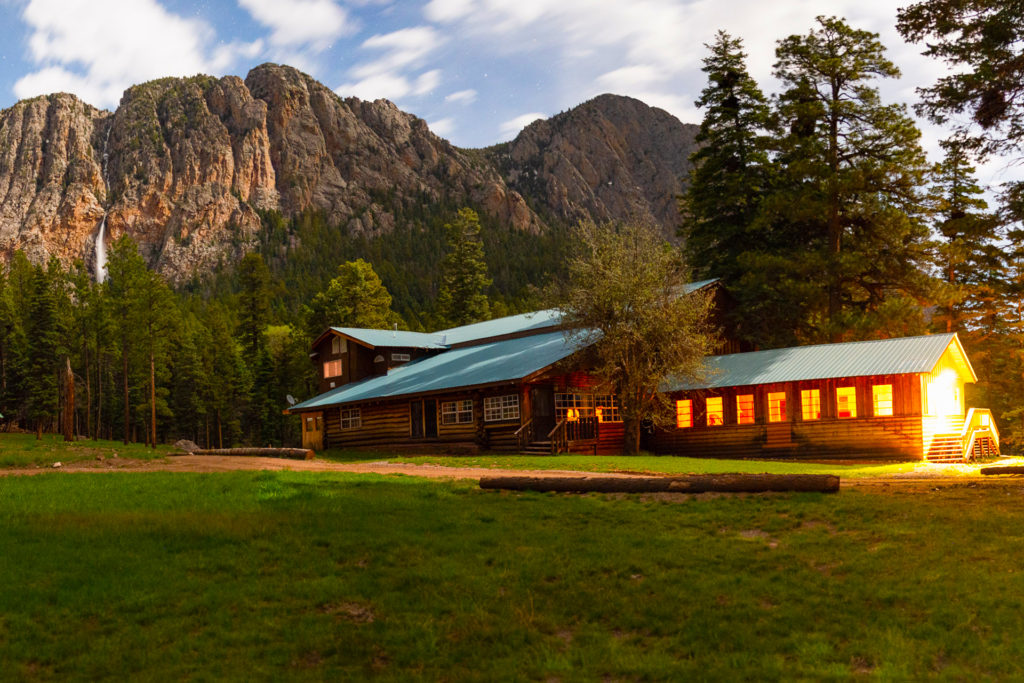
(810, 404)
(881, 399)
(332, 368)
(607, 408)
(716, 414)
(351, 418)
(846, 401)
(745, 409)
(777, 407)
(684, 414)
(497, 408)
(457, 412)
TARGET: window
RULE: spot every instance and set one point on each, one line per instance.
(684, 414)
(314, 424)
(846, 401)
(457, 412)
(745, 409)
(498, 408)
(572, 407)
(332, 368)
(777, 407)
(351, 418)
(881, 400)
(716, 413)
(810, 404)
(607, 408)
(400, 357)
(339, 345)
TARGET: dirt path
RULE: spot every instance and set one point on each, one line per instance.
(961, 476)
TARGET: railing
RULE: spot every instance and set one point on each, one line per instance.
(525, 434)
(567, 433)
(978, 425)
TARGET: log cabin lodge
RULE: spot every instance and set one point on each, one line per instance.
(520, 384)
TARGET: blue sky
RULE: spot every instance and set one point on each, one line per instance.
(476, 70)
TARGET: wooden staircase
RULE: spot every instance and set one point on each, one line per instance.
(945, 448)
(537, 448)
(963, 440)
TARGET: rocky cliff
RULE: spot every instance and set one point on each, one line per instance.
(185, 165)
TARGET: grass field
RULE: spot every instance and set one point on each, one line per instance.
(292, 576)
(23, 450)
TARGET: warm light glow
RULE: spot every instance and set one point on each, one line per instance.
(777, 407)
(716, 411)
(881, 400)
(846, 401)
(944, 394)
(684, 414)
(745, 409)
(810, 404)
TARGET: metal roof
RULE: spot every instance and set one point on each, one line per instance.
(496, 362)
(524, 322)
(375, 338)
(906, 355)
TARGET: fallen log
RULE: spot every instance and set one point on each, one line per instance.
(1004, 469)
(695, 483)
(290, 453)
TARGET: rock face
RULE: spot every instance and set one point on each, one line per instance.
(610, 158)
(185, 165)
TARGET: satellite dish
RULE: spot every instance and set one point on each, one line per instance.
(290, 399)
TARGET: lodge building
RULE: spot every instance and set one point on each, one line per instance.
(520, 384)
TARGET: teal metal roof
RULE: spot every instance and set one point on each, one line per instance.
(496, 362)
(375, 338)
(906, 355)
(513, 324)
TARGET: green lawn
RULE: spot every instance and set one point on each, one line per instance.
(23, 450)
(291, 576)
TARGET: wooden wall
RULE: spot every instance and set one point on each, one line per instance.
(866, 436)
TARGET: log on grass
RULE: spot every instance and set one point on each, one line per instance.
(697, 483)
(1004, 469)
(291, 453)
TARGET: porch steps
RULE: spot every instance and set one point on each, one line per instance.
(945, 448)
(538, 448)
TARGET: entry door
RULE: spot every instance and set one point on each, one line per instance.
(416, 418)
(423, 418)
(313, 431)
(542, 407)
(430, 419)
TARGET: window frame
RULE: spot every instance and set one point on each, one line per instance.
(781, 415)
(851, 392)
(336, 363)
(400, 357)
(875, 402)
(815, 402)
(688, 412)
(504, 408)
(714, 416)
(460, 412)
(741, 410)
(350, 418)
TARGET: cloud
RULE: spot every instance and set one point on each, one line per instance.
(442, 127)
(509, 129)
(98, 48)
(394, 75)
(462, 97)
(314, 24)
(447, 10)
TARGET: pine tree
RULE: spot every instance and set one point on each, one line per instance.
(355, 298)
(851, 175)
(462, 297)
(253, 302)
(126, 275)
(41, 386)
(731, 166)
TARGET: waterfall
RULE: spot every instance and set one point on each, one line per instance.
(101, 246)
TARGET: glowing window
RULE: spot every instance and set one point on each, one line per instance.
(881, 399)
(684, 414)
(745, 409)
(777, 407)
(716, 411)
(810, 404)
(846, 401)
(332, 368)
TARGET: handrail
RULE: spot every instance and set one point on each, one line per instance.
(979, 422)
(558, 438)
(524, 434)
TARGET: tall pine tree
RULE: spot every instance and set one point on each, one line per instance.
(462, 298)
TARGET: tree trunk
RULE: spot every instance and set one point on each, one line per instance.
(127, 400)
(69, 401)
(152, 400)
(220, 431)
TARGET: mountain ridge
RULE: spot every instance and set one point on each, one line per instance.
(186, 166)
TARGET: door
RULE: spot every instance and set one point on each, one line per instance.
(313, 431)
(416, 419)
(430, 419)
(542, 410)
